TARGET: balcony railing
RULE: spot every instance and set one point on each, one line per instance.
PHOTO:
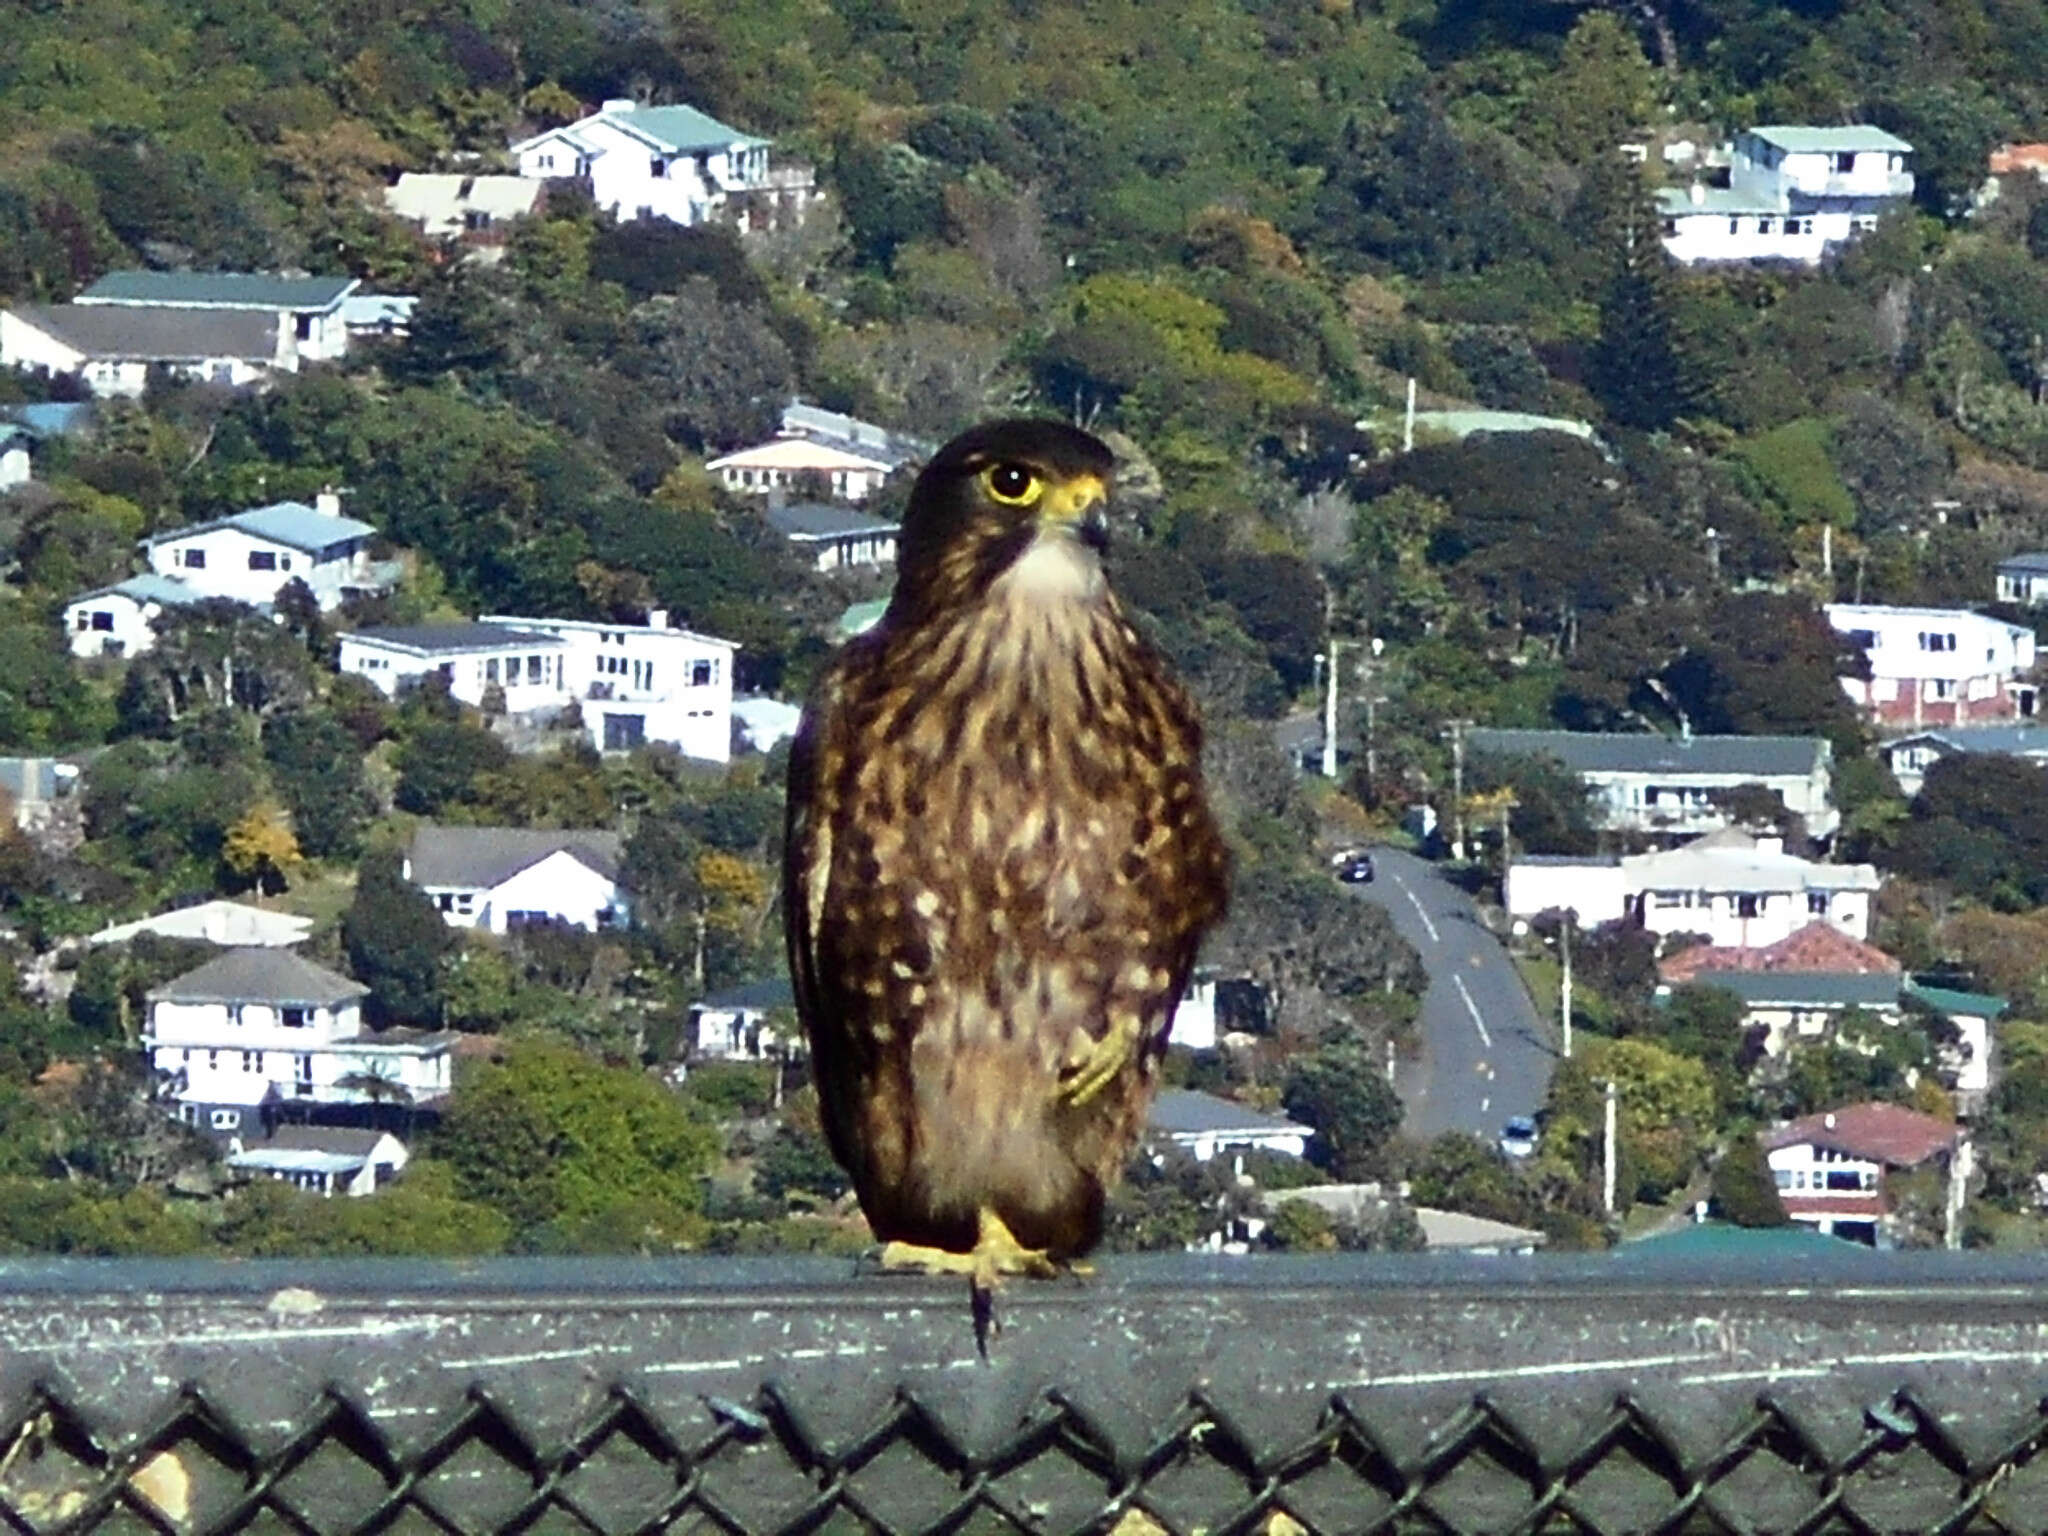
(1849, 1392)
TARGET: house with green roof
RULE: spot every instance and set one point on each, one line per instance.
(1793, 192)
(306, 312)
(674, 163)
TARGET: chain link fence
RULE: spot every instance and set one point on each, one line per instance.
(1272, 1398)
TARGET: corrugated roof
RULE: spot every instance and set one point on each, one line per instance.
(821, 425)
(1185, 1111)
(771, 992)
(1881, 1133)
(1806, 989)
(2032, 561)
(282, 522)
(811, 519)
(2024, 738)
(476, 858)
(1632, 752)
(260, 976)
(133, 333)
(223, 290)
(450, 639)
(1801, 140)
(682, 130)
(346, 1139)
(149, 587)
(1980, 1005)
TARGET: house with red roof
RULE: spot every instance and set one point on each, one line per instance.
(1816, 947)
(1830, 1167)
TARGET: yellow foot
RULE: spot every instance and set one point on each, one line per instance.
(1106, 1060)
(996, 1253)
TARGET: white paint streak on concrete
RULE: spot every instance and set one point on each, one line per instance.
(1485, 1035)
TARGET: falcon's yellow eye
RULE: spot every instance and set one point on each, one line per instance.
(1014, 485)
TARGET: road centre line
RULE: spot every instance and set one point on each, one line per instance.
(1420, 910)
(1485, 1036)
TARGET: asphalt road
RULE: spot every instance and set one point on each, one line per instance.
(1486, 1054)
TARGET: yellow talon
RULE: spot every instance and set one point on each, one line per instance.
(996, 1253)
(1104, 1063)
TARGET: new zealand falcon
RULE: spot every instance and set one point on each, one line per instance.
(1000, 861)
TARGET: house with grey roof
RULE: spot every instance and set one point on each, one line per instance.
(1664, 787)
(672, 162)
(1205, 1126)
(815, 424)
(755, 1021)
(1793, 193)
(234, 1041)
(112, 349)
(248, 556)
(834, 538)
(2023, 578)
(304, 312)
(500, 879)
(325, 1160)
(120, 620)
(1911, 755)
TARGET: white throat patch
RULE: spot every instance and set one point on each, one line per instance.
(1056, 568)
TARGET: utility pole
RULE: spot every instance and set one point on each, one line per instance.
(1458, 788)
(1564, 984)
(1408, 421)
(1607, 1170)
(1330, 711)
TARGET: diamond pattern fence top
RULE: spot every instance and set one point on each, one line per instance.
(1272, 1398)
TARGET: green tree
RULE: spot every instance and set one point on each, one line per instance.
(1345, 1097)
(441, 762)
(316, 767)
(397, 943)
(1743, 1189)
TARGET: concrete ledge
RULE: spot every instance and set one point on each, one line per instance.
(1900, 1391)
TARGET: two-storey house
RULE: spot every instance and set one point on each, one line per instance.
(1665, 787)
(250, 555)
(120, 620)
(673, 163)
(1830, 1167)
(1793, 192)
(257, 1029)
(504, 878)
(1736, 890)
(637, 684)
(1936, 666)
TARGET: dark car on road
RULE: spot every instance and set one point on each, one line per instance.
(1354, 868)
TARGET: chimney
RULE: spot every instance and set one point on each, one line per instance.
(1771, 844)
(1696, 193)
(657, 618)
(328, 501)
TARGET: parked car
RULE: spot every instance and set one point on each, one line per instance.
(1518, 1137)
(1354, 868)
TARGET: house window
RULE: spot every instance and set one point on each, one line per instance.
(445, 902)
(262, 560)
(545, 162)
(294, 1018)
(1934, 641)
(101, 619)
(1817, 903)
(657, 167)
(213, 1061)
(1735, 226)
(1842, 164)
(252, 1061)
(703, 673)
(284, 562)
(533, 669)
(193, 559)
(1749, 906)
(1763, 226)
(1941, 688)
(1670, 228)
(491, 670)
(225, 1119)
(465, 902)
(302, 1076)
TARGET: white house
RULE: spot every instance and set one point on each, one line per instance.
(794, 463)
(503, 878)
(258, 1028)
(119, 620)
(673, 163)
(1663, 787)
(247, 557)
(2023, 578)
(111, 349)
(834, 538)
(230, 924)
(15, 466)
(1936, 666)
(1792, 193)
(1204, 1125)
(755, 1021)
(637, 684)
(327, 1160)
(1194, 1017)
(305, 312)
(526, 666)
(477, 211)
(1739, 891)
(1830, 1167)
(1911, 755)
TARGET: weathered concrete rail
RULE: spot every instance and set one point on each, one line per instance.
(1854, 1392)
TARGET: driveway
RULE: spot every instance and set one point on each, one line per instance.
(1486, 1054)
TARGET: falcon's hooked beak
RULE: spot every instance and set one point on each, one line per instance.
(1079, 505)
